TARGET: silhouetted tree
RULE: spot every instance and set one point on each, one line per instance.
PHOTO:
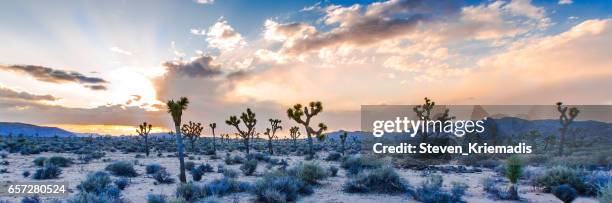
(566, 118)
(192, 131)
(297, 112)
(294, 133)
(176, 108)
(143, 131)
(213, 126)
(249, 120)
(271, 132)
(343, 140)
(423, 112)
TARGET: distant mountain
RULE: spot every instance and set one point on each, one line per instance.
(17, 129)
(508, 127)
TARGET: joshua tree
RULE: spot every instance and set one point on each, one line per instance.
(296, 114)
(294, 133)
(176, 108)
(143, 131)
(549, 140)
(249, 120)
(423, 112)
(271, 132)
(192, 131)
(566, 118)
(514, 171)
(213, 126)
(343, 140)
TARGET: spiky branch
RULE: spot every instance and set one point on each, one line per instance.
(192, 131)
(143, 131)
(294, 133)
(248, 118)
(271, 132)
(566, 118)
(213, 126)
(303, 115)
(423, 112)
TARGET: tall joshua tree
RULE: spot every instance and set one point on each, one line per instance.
(176, 108)
(249, 120)
(566, 118)
(143, 131)
(303, 115)
(343, 140)
(423, 112)
(213, 126)
(294, 133)
(192, 131)
(271, 132)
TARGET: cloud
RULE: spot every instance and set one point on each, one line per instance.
(566, 2)
(120, 51)
(198, 67)
(377, 22)
(205, 1)
(50, 75)
(223, 37)
(7, 93)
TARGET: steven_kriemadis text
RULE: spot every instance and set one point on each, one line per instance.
(458, 128)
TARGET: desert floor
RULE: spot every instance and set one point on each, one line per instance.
(330, 189)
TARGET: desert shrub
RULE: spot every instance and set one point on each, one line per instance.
(280, 184)
(34, 199)
(458, 190)
(229, 160)
(560, 175)
(230, 173)
(333, 156)
(163, 177)
(207, 168)
(430, 191)
(153, 168)
(59, 161)
(333, 171)
(565, 193)
(47, 172)
(480, 161)
(122, 183)
(188, 191)
(156, 198)
(514, 169)
(220, 168)
(25, 174)
(596, 180)
(95, 182)
(249, 167)
(197, 174)
(309, 172)
(209, 199)
(189, 165)
(380, 180)
(258, 156)
(122, 168)
(355, 164)
(105, 197)
(39, 161)
(605, 193)
(224, 186)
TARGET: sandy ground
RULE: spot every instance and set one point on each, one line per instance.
(330, 189)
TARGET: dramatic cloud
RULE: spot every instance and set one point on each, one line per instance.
(46, 74)
(202, 66)
(6, 93)
(222, 36)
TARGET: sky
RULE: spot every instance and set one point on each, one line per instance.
(106, 66)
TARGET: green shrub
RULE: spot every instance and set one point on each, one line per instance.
(122, 168)
(97, 181)
(279, 182)
(333, 171)
(47, 172)
(153, 168)
(249, 167)
(333, 156)
(230, 173)
(560, 175)
(224, 186)
(514, 169)
(189, 165)
(188, 191)
(565, 193)
(309, 172)
(163, 177)
(39, 161)
(197, 174)
(59, 161)
(122, 183)
(430, 191)
(357, 163)
(380, 180)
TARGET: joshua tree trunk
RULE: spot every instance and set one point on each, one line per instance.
(181, 152)
(270, 147)
(513, 192)
(294, 143)
(214, 142)
(246, 144)
(310, 151)
(147, 146)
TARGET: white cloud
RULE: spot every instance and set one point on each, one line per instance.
(223, 37)
(120, 51)
(205, 1)
(566, 2)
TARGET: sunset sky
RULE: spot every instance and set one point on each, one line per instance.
(105, 66)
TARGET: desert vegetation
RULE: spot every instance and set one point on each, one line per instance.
(246, 168)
